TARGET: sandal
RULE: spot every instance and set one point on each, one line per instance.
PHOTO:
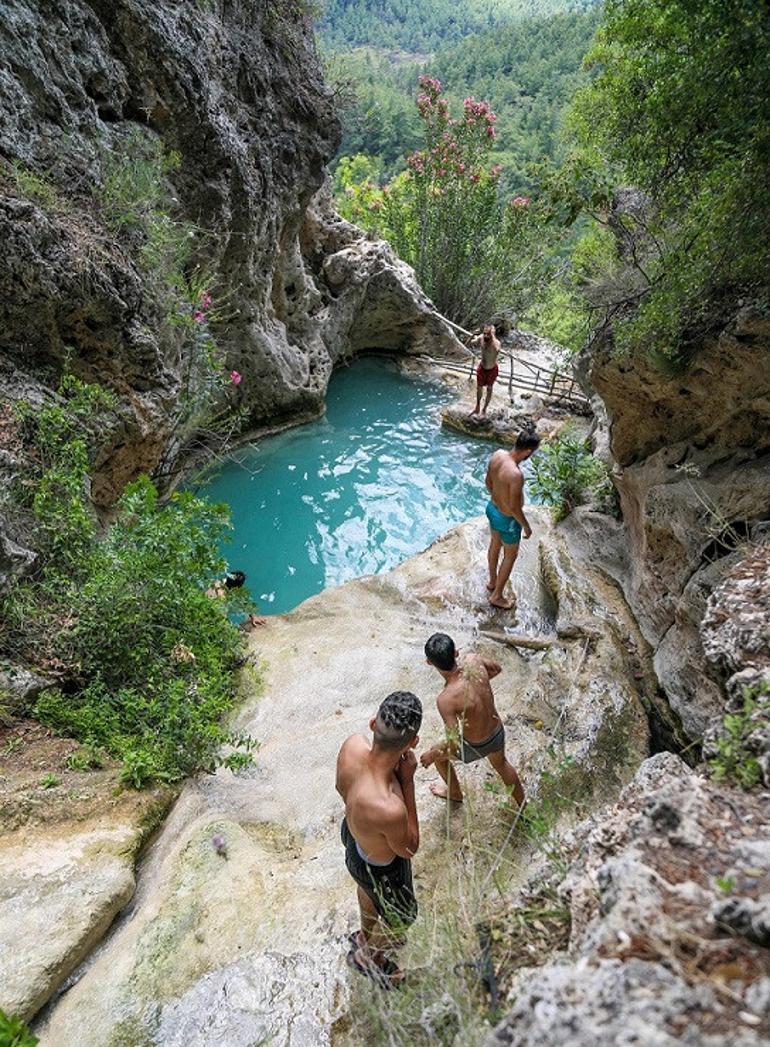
(381, 974)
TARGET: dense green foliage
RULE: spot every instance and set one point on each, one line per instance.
(473, 251)
(145, 659)
(566, 474)
(421, 26)
(678, 108)
(14, 1033)
(527, 71)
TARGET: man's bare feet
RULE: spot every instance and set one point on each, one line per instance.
(500, 602)
(439, 789)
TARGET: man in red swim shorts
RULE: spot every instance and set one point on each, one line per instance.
(487, 371)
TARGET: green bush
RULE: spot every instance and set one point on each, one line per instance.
(14, 1033)
(566, 474)
(146, 659)
(474, 251)
(734, 760)
(678, 109)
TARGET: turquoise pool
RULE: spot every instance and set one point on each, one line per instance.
(371, 483)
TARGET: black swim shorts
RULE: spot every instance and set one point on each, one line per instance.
(472, 751)
(389, 886)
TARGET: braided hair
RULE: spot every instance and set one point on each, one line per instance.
(398, 720)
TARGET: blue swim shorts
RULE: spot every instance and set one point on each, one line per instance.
(508, 528)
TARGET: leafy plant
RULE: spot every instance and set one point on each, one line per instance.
(734, 759)
(35, 187)
(146, 659)
(726, 884)
(87, 757)
(14, 1033)
(566, 474)
(62, 435)
(50, 781)
(675, 109)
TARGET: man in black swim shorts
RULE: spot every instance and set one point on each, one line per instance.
(380, 832)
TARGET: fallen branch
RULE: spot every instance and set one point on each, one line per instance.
(533, 643)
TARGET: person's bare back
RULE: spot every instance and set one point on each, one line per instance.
(474, 729)
(505, 483)
(468, 699)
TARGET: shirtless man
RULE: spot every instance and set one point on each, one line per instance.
(505, 512)
(488, 370)
(467, 707)
(381, 833)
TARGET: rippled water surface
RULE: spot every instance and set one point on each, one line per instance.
(373, 482)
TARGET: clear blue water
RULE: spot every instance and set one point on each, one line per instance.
(357, 492)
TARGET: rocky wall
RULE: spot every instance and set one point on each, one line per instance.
(691, 458)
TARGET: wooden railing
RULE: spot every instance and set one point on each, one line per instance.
(556, 386)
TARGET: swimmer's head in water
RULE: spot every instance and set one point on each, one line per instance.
(440, 651)
(397, 721)
(234, 579)
(527, 440)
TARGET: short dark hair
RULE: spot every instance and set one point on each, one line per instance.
(398, 720)
(527, 440)
(234, 579)
(440, 651)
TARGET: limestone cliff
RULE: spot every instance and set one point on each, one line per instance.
(692, 465)
(229, 100)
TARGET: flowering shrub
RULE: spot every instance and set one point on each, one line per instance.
(445, 215)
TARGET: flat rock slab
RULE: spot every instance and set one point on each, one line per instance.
(250, 946)
(501, 424)
(65, 873)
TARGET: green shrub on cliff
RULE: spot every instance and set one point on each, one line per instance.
(735, 752)
(144, 657)
(566, 474)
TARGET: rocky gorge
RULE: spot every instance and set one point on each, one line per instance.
(120, 921)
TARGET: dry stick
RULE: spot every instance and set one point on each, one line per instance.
(534, 643)
(515, 822)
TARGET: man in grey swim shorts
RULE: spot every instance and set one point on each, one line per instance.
(467, 707)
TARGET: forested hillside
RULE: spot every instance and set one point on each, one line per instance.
(527, 71)
(424, 26)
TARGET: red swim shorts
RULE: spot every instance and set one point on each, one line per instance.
(487, 376)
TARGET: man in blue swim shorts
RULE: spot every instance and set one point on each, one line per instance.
(505, 512)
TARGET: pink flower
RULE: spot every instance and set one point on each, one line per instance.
(199, 316)
(491, 131)
(520, 201)
(206, 300)
(236, 378)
